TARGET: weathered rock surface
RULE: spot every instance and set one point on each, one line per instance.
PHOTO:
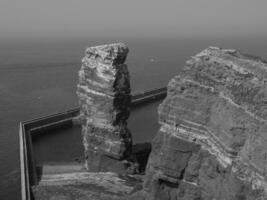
(212, 144)
(84, 186)
(104, 97)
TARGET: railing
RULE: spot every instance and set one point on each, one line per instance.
(27, 128)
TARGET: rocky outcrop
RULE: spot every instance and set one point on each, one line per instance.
(104, 98)
(212, 144)
(84, 186)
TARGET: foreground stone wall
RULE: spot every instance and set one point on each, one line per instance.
(212, 144)
(104, 98)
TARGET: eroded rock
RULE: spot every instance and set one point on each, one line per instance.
(104, 98)
(212, 144)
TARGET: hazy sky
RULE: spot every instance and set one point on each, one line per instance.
(140, 18)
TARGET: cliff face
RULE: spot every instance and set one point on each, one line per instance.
(212, 143)
(104, 98)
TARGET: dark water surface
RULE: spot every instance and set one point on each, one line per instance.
(39, 77)
(65, 144)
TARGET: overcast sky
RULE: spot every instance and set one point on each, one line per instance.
(139, 18)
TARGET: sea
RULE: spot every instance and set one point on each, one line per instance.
(38, 77)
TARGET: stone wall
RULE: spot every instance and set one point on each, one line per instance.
(104, 98)
(212, 144)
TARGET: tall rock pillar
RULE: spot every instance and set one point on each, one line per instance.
(104, 98)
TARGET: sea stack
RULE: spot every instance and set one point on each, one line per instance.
(212, 144)
(104, 96)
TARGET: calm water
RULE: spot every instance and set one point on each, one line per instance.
(39, 77)
(65, 144)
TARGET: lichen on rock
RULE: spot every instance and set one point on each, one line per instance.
(212, 144)
(104, 96)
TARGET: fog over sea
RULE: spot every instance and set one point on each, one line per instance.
(38, 77)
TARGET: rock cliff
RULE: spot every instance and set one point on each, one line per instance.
(104, 98)
(212, 144)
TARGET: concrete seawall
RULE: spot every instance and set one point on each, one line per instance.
(43, 124)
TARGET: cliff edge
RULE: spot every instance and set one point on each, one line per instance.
(212, 144)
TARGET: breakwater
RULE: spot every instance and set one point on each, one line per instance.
(42, 125)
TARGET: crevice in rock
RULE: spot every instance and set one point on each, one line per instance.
(181, 177)
(141, 151)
